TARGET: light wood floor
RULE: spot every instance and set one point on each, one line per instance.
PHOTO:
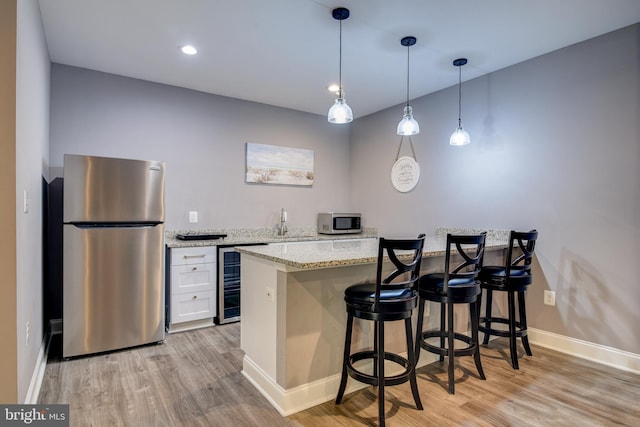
(194, 379)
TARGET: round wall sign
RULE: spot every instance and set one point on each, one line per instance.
(405, 174)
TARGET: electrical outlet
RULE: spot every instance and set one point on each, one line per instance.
(269, 294)
(26, 333)
(193, 216)
(549, 298)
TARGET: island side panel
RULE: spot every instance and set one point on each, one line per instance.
(258, 327)
(316, 321)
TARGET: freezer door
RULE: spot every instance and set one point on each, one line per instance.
(104, 189)
(113, 288)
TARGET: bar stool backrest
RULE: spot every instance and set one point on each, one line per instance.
(470, 249)
(520, 266)
(406, 265)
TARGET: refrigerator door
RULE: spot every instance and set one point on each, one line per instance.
(113, 288)
(104, 189)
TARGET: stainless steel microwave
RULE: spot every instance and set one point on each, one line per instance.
(339, 223)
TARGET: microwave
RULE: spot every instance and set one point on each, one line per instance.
(339, 223)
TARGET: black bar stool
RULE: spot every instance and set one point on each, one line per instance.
(389, 298)
(514, 278)
(458, 284)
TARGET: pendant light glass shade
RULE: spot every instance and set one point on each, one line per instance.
(460, 136)
(340, 112)
(408, 125)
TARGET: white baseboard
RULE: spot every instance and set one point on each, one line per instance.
(38, 372)
(189, 326)
(305, 396)
(604, 355)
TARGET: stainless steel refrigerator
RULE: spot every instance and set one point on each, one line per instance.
(113, 254)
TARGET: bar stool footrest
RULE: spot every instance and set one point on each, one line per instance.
(370, 379)
(443, 351)
(520, 331)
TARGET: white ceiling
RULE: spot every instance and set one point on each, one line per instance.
(285, 52)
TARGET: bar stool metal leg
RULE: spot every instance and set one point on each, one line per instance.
(474, 311)
(347, 352)
(412, 362)
(523, 323)
(513, 344)
(380, 361)
(419, 328)
(487, 324)
(450, 347)
(443, 316)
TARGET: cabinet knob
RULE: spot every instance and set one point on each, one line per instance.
(194, 268)
(195, 297)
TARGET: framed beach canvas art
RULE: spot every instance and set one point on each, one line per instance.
(273, 164)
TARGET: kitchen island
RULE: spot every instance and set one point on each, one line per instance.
(294, 315)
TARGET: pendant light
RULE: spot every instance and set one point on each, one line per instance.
(340, 112)
(459, 136)
(408, 125)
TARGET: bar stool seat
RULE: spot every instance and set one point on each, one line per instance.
(389, 298)
(361, 298)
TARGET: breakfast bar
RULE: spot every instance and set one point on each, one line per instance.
(294, 318)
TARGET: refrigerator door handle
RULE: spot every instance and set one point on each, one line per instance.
(92, 225)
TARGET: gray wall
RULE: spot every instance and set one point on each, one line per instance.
(555, 146)
(32, 165)
(202, 138)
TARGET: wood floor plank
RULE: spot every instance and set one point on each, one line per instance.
(194, 379)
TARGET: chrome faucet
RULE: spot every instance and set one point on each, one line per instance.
(282, 229)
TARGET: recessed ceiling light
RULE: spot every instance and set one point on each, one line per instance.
(333, 88)
(188, 49)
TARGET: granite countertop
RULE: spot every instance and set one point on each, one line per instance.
(249, 236)
(314, 255)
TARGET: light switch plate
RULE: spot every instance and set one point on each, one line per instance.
(193, 216)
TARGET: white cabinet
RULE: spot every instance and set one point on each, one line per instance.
(192, 287)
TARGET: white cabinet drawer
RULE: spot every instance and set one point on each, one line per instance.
(192, 306)
(192, 278)
(193, 255)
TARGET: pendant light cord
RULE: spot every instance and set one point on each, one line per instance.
(340, 63)
(408, 68)
(459, 95)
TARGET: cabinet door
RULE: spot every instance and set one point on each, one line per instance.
(192, 306)
(192, 278)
